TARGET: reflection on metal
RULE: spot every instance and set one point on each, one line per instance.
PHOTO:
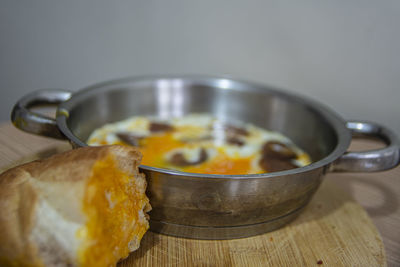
(170, 98)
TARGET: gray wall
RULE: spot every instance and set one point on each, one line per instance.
(342, 53)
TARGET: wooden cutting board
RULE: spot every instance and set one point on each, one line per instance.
(332, 231)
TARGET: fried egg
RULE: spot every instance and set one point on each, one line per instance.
(201, 143)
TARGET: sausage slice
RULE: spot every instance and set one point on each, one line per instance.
(178, 159)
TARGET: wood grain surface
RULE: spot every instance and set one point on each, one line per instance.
(334, 230)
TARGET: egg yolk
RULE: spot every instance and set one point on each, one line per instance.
(111, 204)
(223, 165)
(155, 147)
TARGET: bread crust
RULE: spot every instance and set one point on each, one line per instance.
(41, 202)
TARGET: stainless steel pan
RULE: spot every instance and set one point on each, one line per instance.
(216, 206)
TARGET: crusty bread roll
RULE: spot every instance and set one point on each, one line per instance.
(85, 207)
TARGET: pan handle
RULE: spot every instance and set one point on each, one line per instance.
(29, 121)
(372, 160)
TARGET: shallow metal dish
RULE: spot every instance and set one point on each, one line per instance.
(216, 206)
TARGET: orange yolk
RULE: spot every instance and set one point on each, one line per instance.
(223, 165)
(112, 206)
(155, 147)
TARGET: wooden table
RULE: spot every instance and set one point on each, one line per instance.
(378, 193)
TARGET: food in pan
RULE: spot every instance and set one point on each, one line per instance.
(201, 143)
(85, 207)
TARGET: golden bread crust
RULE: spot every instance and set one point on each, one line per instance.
(17, 203)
